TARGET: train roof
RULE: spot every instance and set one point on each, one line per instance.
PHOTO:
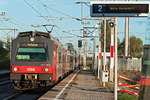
(34, 33)
(39, 34)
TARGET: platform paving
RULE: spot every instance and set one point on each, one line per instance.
(85, 86)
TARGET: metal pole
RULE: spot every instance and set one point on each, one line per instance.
(126, 35)
(94, 46)
(79, 57)
(85, 48)
(100, 53)
(82, 9)
(112, 54)
(104, 54)
(116, 62)
(84, 34)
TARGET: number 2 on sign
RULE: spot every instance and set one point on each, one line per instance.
(100, 8)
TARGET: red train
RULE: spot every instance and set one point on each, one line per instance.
(38, 59)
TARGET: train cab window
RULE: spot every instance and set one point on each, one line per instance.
(31, 54)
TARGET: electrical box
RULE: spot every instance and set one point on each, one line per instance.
(105, 76)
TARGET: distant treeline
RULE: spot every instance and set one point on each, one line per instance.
(5, 54)
(5, 65)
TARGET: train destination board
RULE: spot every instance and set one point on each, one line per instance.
(119, 9)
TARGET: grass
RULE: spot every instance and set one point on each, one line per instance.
(127, 97)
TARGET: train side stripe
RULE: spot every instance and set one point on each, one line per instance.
(31, 69)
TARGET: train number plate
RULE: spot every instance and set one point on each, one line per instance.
(30, 76)
(30, 69)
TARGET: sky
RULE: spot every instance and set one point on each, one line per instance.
(23, 14)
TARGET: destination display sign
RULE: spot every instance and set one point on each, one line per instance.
(32, 45)
(119, 10)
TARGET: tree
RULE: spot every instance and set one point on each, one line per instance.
(136, 47)
(7, 47)
(3, 52)
(7, 44)
(121, 48)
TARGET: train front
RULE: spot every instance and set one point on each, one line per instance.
(32, 60)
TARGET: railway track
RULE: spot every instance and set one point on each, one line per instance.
(12, 96)
(7, 92)
(5, 82)
(23, 95)
(4, 74)
(4, 77)
(27, 95)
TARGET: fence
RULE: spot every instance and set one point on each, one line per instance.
(124, 63)
(134, 64)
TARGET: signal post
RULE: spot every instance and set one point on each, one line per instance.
(79, 46)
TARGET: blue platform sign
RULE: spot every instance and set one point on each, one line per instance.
(125, 9)
(99, 8)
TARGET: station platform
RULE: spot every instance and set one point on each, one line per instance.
(81, 85)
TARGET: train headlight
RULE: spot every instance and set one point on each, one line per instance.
(15, 69)
(32, 39)
(46, 69)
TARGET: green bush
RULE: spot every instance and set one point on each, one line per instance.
(127, 97)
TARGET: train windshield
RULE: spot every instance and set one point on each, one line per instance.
(31, 54)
